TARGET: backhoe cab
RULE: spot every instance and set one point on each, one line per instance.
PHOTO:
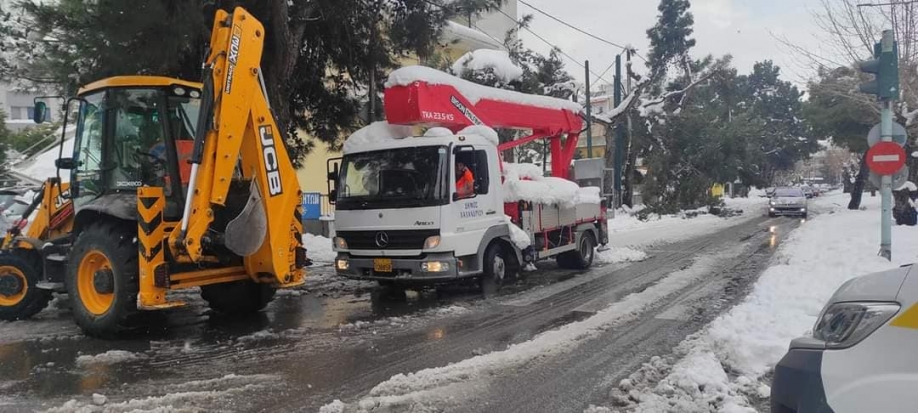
(173, 184)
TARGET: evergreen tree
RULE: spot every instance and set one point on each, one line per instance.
(670, 39)
(318, 54)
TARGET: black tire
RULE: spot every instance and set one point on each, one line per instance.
(580, 258)
(238, 297)
(110, 242)
(496, 270)
(28, 264)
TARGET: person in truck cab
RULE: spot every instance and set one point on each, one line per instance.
(465, 186)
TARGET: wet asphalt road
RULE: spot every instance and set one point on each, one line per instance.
(337, 339)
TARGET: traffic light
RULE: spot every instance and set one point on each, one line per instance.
(885, 66)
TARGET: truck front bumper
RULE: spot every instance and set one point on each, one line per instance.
(797, 384)
(408, 270)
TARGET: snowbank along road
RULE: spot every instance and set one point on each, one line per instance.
(556, 341)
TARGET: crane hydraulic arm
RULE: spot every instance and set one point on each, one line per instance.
(237, 137)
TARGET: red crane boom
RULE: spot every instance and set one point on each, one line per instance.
(423, 96)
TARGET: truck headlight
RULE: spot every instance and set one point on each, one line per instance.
(771, 202)
(842, 325)
(432, 242)
(342, 264)
(340, 243)
(434, 266)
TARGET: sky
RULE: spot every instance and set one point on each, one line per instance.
(746, 29)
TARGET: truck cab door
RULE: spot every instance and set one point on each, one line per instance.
(471, 216)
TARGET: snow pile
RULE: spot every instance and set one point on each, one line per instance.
(485, 132)
(518, 171)
(519, 237)
(752, 337)
(336, 406)
(548, 190)
(622, 254)
(525, 182)
(587, 195)
(426, 388)
(319, 248)
(437, 132)
(473, 92)
(376, 132)
(498, 61)
(108, 357)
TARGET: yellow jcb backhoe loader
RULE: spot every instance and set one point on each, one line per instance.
(173, 184)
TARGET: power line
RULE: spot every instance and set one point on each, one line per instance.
(581, 30)
(577, 62)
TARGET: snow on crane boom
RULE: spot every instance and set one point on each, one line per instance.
(419, 95)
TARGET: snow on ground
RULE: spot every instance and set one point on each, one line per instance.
(192, 396)
(721, 368)
(108, 357)
(626, 230)
(318, 248)
(434, 386)
(403, 321)
(620, 254)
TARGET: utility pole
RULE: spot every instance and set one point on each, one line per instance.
(619, 136)
(628, 118)
(885, 66)
(589, 112)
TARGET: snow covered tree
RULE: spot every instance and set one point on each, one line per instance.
(319, 57)
(670, 40)
(5, 136)
(835, 113)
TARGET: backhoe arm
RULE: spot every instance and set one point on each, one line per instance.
(236, 128)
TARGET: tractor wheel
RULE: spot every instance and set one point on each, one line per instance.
(20, 271)
(238, 297)
(580, 258)
(102, 279)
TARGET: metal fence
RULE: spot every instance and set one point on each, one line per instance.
(316, 207)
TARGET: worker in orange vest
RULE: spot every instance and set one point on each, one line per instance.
(465, 186)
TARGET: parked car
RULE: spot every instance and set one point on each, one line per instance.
(808, 191)
(788, 201)
(860, 356)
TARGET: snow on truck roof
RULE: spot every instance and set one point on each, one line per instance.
(384, 135)
(474, 92)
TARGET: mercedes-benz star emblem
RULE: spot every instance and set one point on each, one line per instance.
(382, 239)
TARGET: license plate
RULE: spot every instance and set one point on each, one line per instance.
(382, 265)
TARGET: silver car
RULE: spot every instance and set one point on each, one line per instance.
(788, 201)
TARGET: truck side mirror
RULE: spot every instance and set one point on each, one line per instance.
(65, 163)
(40, 112)
(333, 174)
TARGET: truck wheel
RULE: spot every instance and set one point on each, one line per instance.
(102, 279)
(20, 271)
(580, 258)
(238, 297)
(495, 270)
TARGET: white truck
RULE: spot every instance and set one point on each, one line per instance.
(399, 219)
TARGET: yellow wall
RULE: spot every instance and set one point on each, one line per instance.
(313, 174)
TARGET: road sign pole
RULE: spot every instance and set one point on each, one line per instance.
(886, 187)
(886, 121)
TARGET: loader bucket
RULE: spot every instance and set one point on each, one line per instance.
(246, 232)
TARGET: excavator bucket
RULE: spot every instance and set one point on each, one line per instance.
(246, 232)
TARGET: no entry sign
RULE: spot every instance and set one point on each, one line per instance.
(885, 158)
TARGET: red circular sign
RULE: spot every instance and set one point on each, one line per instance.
(885, 158)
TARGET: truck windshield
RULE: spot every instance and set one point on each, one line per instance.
(394, 178)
